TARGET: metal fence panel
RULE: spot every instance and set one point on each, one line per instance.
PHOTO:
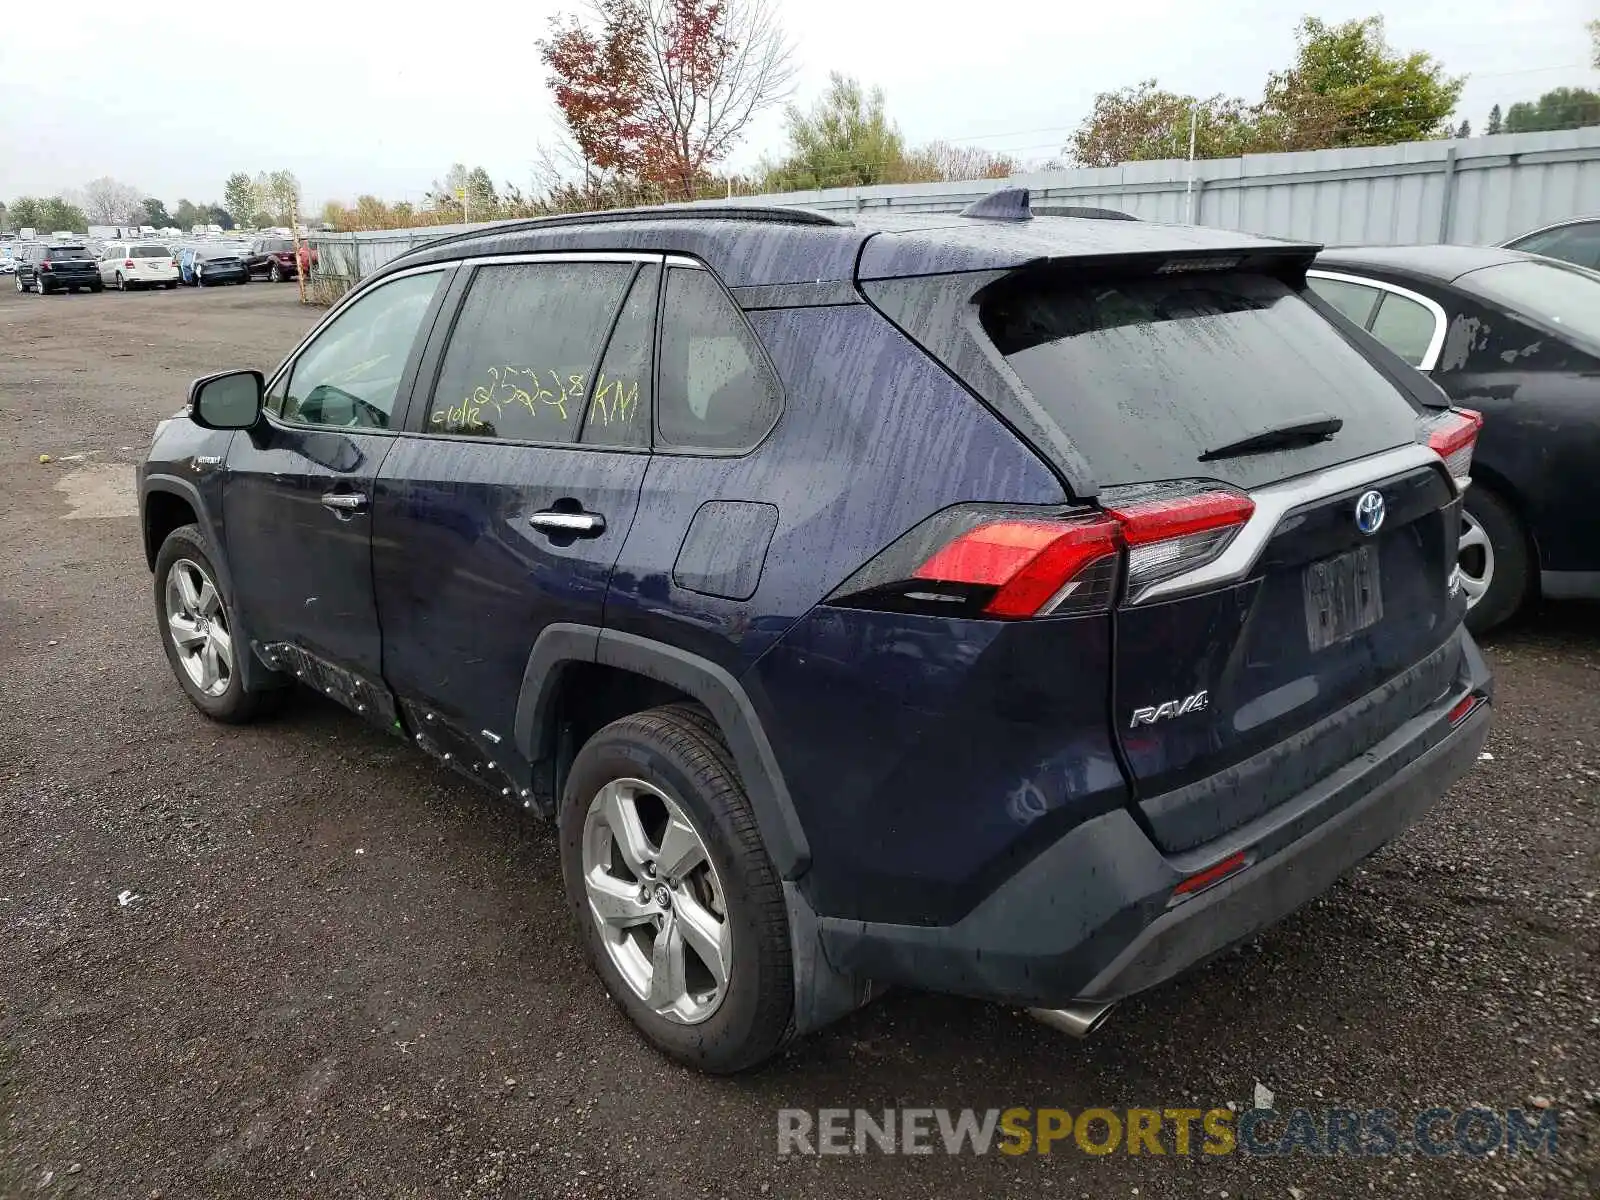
(1469, 191)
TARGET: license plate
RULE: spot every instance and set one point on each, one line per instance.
(1343, 596)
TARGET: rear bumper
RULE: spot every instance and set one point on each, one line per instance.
(1089, 919)
(222, 274)
(56, 279)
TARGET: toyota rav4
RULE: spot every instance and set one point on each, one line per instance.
(1022, 607)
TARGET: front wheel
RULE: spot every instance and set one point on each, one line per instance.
(197, 631)
(679, 907)
(1493, 559)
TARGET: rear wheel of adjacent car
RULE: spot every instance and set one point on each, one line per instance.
(122, 284)
(40, 286)
(97, 287)
(275, 275)
(1493, 559)
(680, 909)
(197, 631)
(20, 287)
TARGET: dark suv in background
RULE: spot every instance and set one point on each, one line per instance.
(58, 267)
(273, 259)
(1019, 607)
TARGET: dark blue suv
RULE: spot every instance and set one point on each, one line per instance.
(1023, 607)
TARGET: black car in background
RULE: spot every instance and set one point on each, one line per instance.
(1516, 337)
(58, 267)
(1575, 241)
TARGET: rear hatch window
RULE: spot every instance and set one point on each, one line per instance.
(150, 252)
(1150, 376)
(67, 253)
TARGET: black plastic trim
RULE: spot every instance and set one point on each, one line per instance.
(722, 695)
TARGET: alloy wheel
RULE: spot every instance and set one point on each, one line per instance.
(198, 625)
(1474, 559)
(656, 901)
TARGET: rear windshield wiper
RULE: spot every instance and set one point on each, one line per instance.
(1316, 428)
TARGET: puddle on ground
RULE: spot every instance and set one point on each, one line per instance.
(100, 490)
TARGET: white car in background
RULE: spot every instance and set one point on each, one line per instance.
(129, 265)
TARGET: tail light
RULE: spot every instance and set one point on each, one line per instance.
(174, 262)
(977, 560)
(129, 264)
(44, 265)
(1453, 436)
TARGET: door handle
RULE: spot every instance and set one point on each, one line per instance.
(582, 524)
(343, 504)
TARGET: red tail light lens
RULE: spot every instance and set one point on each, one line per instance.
(1032, 566)
(1453, 436)
(984, 560)
(129, 264)
(1176, 529)
(45, 265)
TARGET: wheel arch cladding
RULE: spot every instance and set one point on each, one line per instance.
(166, 508)
(718, 691)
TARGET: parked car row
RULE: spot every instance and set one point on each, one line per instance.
(129, 266)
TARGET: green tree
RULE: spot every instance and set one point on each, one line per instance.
(24, 213)
(186, 216)
(1147, 122)
(1496, 122)
(155, 213)
(55, 213)
(1464, 130)
(1348, 88)
(1561, 108)
(239, 196)
(215, 214)
(845, 139)
(277, 198)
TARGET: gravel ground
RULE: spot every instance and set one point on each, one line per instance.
(296, 959)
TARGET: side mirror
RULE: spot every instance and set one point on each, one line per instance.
(231, 400)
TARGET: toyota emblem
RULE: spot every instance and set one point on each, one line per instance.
(1369, 512)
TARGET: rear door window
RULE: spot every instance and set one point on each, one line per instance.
(518, 361)
(1406, 327)
(1147, 374)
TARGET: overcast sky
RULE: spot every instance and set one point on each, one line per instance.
(360, 98)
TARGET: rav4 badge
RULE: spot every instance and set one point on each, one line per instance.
(1150, 714)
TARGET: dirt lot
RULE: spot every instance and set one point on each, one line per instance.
(296, 959)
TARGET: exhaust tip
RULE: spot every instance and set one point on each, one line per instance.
(1076, 1020)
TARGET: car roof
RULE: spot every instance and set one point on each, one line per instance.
(749, 245)
(1442, 264)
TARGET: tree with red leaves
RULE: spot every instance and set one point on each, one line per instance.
(661, 91)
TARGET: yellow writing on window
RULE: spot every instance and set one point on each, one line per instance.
(521, 394)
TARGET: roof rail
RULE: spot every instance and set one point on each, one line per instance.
(675, 212)
(1092, 214)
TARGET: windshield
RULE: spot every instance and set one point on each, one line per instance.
(1146, 374)
(150, 252)
(1559, 296)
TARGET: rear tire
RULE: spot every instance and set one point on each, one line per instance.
(122, 284)
(209, 677)
(663, 760)
(275, 275)
(97, 287)
(1495, 560)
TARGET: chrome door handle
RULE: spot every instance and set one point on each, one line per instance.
(583, 524)
(342, 504)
